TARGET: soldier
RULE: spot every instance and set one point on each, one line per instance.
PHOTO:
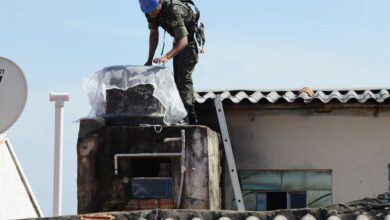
(180, 21)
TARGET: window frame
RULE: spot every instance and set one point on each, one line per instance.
(306, 173)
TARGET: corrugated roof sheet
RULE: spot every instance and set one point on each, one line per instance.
(342, 96)
(367, 208)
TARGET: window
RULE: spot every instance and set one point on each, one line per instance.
(296, 200)
(281, 189)
(276, 200)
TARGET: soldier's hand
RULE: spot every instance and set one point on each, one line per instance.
(161, 60)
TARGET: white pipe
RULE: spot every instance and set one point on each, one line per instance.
(182, 167)
(166, 140)
(59, 99)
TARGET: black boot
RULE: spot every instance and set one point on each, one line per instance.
(191, 114)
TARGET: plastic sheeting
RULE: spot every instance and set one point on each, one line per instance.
(124, 77)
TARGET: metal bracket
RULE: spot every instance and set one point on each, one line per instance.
(229, 153)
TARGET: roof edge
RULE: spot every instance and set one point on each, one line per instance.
(292, 96)
(4, 139)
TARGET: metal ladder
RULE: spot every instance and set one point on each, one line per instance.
(229, 153)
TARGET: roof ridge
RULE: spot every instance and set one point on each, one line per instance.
(273, 96)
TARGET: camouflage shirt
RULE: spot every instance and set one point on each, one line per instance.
(175, 17)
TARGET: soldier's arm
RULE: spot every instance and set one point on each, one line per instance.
(153, 43)
(179, 46)
(180, 34)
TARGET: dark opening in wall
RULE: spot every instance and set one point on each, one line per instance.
(156, 167)
(276, 200)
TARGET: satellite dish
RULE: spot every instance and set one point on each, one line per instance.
(13, 93)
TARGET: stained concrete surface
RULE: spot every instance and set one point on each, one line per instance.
(99, 189)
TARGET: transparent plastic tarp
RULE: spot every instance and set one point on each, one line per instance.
(124, 77)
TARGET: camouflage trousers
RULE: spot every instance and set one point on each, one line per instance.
(183, 66)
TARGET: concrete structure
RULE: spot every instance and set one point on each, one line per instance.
(128, 162)
(333, 147)
(101, 189)
(16, 198)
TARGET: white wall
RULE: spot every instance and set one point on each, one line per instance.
(354, 144)
(15, 200)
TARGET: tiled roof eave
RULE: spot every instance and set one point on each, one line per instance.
(338, 96)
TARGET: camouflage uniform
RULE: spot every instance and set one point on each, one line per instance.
(177, 19)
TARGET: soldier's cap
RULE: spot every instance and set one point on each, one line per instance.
(148, 6)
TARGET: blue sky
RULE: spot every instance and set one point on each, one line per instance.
(253, 45)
